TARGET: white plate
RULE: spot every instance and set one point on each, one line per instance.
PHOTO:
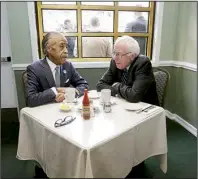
(133, 106)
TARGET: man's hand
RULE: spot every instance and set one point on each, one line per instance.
(115, 87)
(60, 97)
(115, 84)
(61, 90)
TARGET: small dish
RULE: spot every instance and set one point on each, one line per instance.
(65, 107)
(95, 108)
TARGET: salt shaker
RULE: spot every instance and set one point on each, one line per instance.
(107, 107)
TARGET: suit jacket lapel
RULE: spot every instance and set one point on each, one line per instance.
(130, 71)
(48, 73)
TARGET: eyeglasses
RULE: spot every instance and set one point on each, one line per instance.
(116, 54)
(65, 121)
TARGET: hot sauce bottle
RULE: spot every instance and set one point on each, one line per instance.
(86, 113)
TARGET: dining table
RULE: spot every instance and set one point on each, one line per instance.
(108, 145)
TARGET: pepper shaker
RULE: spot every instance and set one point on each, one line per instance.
(107, 107)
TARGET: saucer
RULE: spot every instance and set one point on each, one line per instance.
(95, 108)
(65, 107)
(74, 101)
(112, 102)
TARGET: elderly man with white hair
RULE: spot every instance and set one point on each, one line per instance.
(130, 75)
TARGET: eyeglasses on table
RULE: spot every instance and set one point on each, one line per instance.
(64, 121)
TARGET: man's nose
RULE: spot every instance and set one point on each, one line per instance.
(65, 50)
(115, 58)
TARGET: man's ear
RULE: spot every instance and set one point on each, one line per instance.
(133, 55)
(48, 48)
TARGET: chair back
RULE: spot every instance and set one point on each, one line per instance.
(162, 78)
(24, 82)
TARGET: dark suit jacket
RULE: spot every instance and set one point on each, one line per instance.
(139, 25)
(140, 86)
(40, 80)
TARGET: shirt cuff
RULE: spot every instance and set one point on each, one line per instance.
(54, 90)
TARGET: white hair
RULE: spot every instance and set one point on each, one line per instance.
(132, 44)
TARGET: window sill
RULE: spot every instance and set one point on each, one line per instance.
(77, 65)
(101, 64)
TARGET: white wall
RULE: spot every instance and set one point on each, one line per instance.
(168, 33)
(8, 87)
(186, 47)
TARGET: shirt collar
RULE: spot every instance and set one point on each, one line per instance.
(51, 64)
(128, 67)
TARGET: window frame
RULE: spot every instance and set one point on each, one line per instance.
(79, 34)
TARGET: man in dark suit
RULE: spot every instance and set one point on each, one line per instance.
(139, 25)
(46, 77)
(130, 74)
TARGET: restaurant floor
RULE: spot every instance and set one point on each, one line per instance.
(182, 153)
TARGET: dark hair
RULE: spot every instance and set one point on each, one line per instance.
(67, 21)
(45, 41)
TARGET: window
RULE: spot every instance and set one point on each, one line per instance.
(92, 27)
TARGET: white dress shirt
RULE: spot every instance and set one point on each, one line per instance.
(53, 69)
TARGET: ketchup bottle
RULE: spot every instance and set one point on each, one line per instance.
(86, 113)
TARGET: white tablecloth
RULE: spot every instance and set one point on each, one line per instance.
(108, 145)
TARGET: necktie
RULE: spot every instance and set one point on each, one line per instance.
(124, 76)
(57, 76)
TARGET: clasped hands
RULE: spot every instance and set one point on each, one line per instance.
(60, 97)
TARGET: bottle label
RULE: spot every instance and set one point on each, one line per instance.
(86, 111)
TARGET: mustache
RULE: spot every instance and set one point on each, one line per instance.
(64, 54)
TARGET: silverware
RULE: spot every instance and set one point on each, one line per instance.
(145, 109)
